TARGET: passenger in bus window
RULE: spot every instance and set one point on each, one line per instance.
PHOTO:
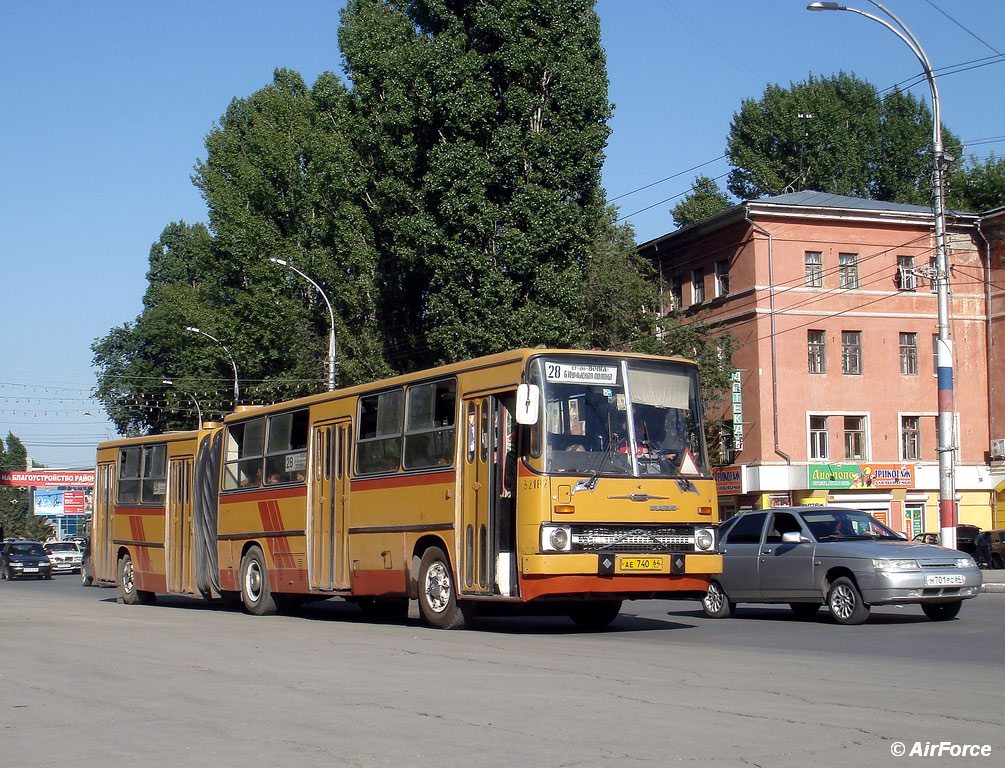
(254, 480)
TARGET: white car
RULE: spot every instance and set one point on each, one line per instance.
(65, 556)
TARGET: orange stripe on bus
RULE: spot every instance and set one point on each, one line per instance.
(404, 481)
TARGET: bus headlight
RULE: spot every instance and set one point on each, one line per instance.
(556, 538)
(704, 539)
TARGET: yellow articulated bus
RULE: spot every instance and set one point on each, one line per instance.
(543, 480)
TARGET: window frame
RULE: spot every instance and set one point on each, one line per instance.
(908, 353)
(910, 437)
(848, 271)
(907, 278)
(819, 437)
(816, 351)
(145, 478)
(436, 432)
(698, 285)
(814, 276)
(721, 278)
(851, 353)
(860, 435)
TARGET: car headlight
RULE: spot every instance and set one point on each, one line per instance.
(895, 565)
(965, 562)
(704, 539)
(556, 538)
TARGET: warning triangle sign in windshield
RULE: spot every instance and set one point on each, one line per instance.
(687, 464)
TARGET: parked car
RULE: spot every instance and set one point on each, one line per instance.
(997, 545)
(842, 558)
(966, 539)
(24, 558)
(65, 556)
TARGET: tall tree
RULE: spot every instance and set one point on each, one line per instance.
(978, 187)
(833, 134)
(489, 128)
(705, 199)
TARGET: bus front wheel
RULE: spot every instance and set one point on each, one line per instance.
(437, 596)
(595, 614)
(256, 593)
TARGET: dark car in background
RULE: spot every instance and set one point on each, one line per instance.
(24, 558)
(842, 558)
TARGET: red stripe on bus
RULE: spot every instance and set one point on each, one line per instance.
(139, 511)
(267, 493)
(405, 481)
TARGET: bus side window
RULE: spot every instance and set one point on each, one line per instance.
(378, 442)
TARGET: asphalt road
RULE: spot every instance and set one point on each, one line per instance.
(87, 682)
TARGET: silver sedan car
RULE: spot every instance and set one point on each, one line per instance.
(842, 558)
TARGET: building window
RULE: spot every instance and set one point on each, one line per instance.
(676, 292)
(721, 278)
(816, 347)
(819, 448)
(909, 354)
(910, 438)
(727, 449)
(933, 282)
(935, 354)
(848, 270)
(814, 269)
(698, 286)
(854, 437)
(851, 352)
(907, 280)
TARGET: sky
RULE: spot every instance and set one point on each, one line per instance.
(106, 106)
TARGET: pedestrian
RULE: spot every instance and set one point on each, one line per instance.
(983, 544)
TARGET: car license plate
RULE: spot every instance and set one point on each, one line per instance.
(932, 580)
(30, 570)
(641, 564)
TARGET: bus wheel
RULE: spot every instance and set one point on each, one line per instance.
(390, 610)
(595, 614)
(126, 584)
(437, 597)
(256, 594)
(85, 576)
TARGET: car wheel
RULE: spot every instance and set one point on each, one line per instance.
(845, 602)
(996, 561)
(437, 597)
(85, 578)
(595, 615)
(256, 592)
(804, 610)
(942, 611)
(716, 602)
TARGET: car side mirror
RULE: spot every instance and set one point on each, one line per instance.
(793, 537)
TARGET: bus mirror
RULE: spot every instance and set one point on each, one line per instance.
(528, 403)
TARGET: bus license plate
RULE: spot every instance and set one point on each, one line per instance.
(641, 564)
(940, 581)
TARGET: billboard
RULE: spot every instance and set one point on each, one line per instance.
(62, 502)
(854, 476)
(42, 478)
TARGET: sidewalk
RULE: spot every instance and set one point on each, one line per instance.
(994, 580)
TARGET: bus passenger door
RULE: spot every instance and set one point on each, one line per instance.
(102, 562)
(180, 574)
(488, 506)
(329, 503)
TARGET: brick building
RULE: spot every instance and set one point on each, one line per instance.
(835, 400)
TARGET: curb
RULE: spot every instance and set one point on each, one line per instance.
(993, 587)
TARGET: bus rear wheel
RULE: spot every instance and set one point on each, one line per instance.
(125, 584)
(256, 592)
(437, 596)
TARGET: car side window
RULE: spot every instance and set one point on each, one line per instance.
(747, 530)
(781, 522)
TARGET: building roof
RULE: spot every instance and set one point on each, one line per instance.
(827, 200)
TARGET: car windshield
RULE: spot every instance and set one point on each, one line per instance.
(620, 417)
(830, 525)
(26, 549)
(61, 546)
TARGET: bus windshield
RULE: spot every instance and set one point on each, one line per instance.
(605, 416)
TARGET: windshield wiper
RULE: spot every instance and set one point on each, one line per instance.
(591, 483)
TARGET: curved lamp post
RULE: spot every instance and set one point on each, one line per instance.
(944, 353)
(198, 410)
(108, 435)
(237, 391)
(331, 317)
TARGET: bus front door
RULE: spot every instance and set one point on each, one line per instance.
(487, 509)
(329, 506)
(102, 561)
(180, 574)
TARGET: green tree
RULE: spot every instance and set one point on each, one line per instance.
(14, 502)
(705, 199)
(488, 127)
(978, 187)
(833, 134)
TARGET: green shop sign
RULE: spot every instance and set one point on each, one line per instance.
(847, 476)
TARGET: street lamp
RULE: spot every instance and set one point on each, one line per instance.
(237, 392)
(944, 353)
(198, 410)
(331, 318)
(108, 435)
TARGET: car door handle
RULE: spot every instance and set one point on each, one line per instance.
(765, 551)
